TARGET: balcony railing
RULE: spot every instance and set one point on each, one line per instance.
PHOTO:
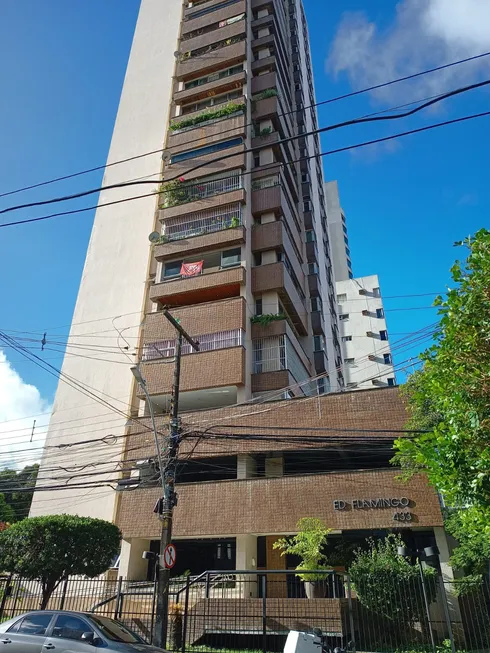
(207, 342)
(203, 222)
(177, 193)
(266, 182)
(277, 353)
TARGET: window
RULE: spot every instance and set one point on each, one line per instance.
(208, 10)
(310, 236)
(387, 359)
(172, 269)
(316, 304)
(69, 627)
(257, 258)
(346, 338)
(321, 386)
(346, 240)
(318, 343)
(344, 316)
(307, 206)
(115, 631)
(231, 257)
(383, 335)
(351, 276)
(256, 160)
(33, 624)
(312, 268)
(380, 312)
(344, 229)
(349, 361)
(258, 306)
(347, 251)
(213, 77)
(342, 297)
(391, 381)
(208, 149)
(376, 292)
(305, 178)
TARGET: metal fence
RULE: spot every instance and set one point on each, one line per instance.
(255, 610)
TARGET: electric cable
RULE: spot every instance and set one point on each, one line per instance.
(324, 102)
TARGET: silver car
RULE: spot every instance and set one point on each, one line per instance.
(68, 632)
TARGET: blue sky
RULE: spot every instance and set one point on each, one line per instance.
(62, 66)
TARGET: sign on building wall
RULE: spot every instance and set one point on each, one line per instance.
(377, 504)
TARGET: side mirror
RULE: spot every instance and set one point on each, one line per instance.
(88, 637)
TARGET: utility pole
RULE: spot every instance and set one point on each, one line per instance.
(169, 499)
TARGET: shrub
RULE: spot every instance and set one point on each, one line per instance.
(210, 114)
(267, 318)
(308, 544)
(389, 585)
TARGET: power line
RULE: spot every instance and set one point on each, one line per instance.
(311, 106)
(346, 123)
(305, 158)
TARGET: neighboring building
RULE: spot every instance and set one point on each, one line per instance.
(365, 343)
(337, 230)
(364, 335)
(243, 258)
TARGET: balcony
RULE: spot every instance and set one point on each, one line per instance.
(245, 505)
(211, 318)
(273, 356)
(270, 195)
(178, 197)
(212, 60)
(211, 131)
(209, 163)
(213, 284)
(275, 276)
(277, 235)
(203, 91)
(320, 360)
(314, 285)
(311, 252)
(317, 323)
(203, 15)
(201, 231)
(209, 39)
(219, 367)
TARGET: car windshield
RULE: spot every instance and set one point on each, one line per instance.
(114, 630)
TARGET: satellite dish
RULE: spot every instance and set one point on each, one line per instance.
(166, 156)
(154, 237)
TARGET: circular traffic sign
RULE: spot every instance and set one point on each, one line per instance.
(169, 556)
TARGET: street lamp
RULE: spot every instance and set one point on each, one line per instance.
(430, 552)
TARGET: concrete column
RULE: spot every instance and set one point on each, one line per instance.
(274, 467)
(267, 217)
(131, 564)
(447, 573)
(269, 256)
(246, 558)
(270, 302)
(246, 466)
(266, 156)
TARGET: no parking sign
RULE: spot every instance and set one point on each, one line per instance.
(169, 556)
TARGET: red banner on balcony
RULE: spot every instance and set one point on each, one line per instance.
(191, 269)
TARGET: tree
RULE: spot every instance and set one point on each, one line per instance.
(450, 396)
(52, 548)
(470, 528)
(13, 486)
(6, 511)
(308, 545)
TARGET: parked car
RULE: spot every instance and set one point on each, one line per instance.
(68, 632)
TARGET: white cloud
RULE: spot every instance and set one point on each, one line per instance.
(424, 34)
(19, 401)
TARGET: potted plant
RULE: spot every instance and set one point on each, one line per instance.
(308, 545)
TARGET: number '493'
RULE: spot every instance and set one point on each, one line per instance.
(402, 516)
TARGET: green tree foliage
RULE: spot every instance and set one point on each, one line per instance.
(308, 544)
(16, 496)
(6, 512)
(450, 396)
(52, 548)
(388, 585)
(470, 527)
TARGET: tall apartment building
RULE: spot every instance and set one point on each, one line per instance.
(240, 250)
(364, 335)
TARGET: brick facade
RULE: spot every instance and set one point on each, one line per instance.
(274, 505)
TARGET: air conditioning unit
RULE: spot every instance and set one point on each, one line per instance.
(365, 312)
(370, 334)
(372, 357)
(377, 382)
(363, 291)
